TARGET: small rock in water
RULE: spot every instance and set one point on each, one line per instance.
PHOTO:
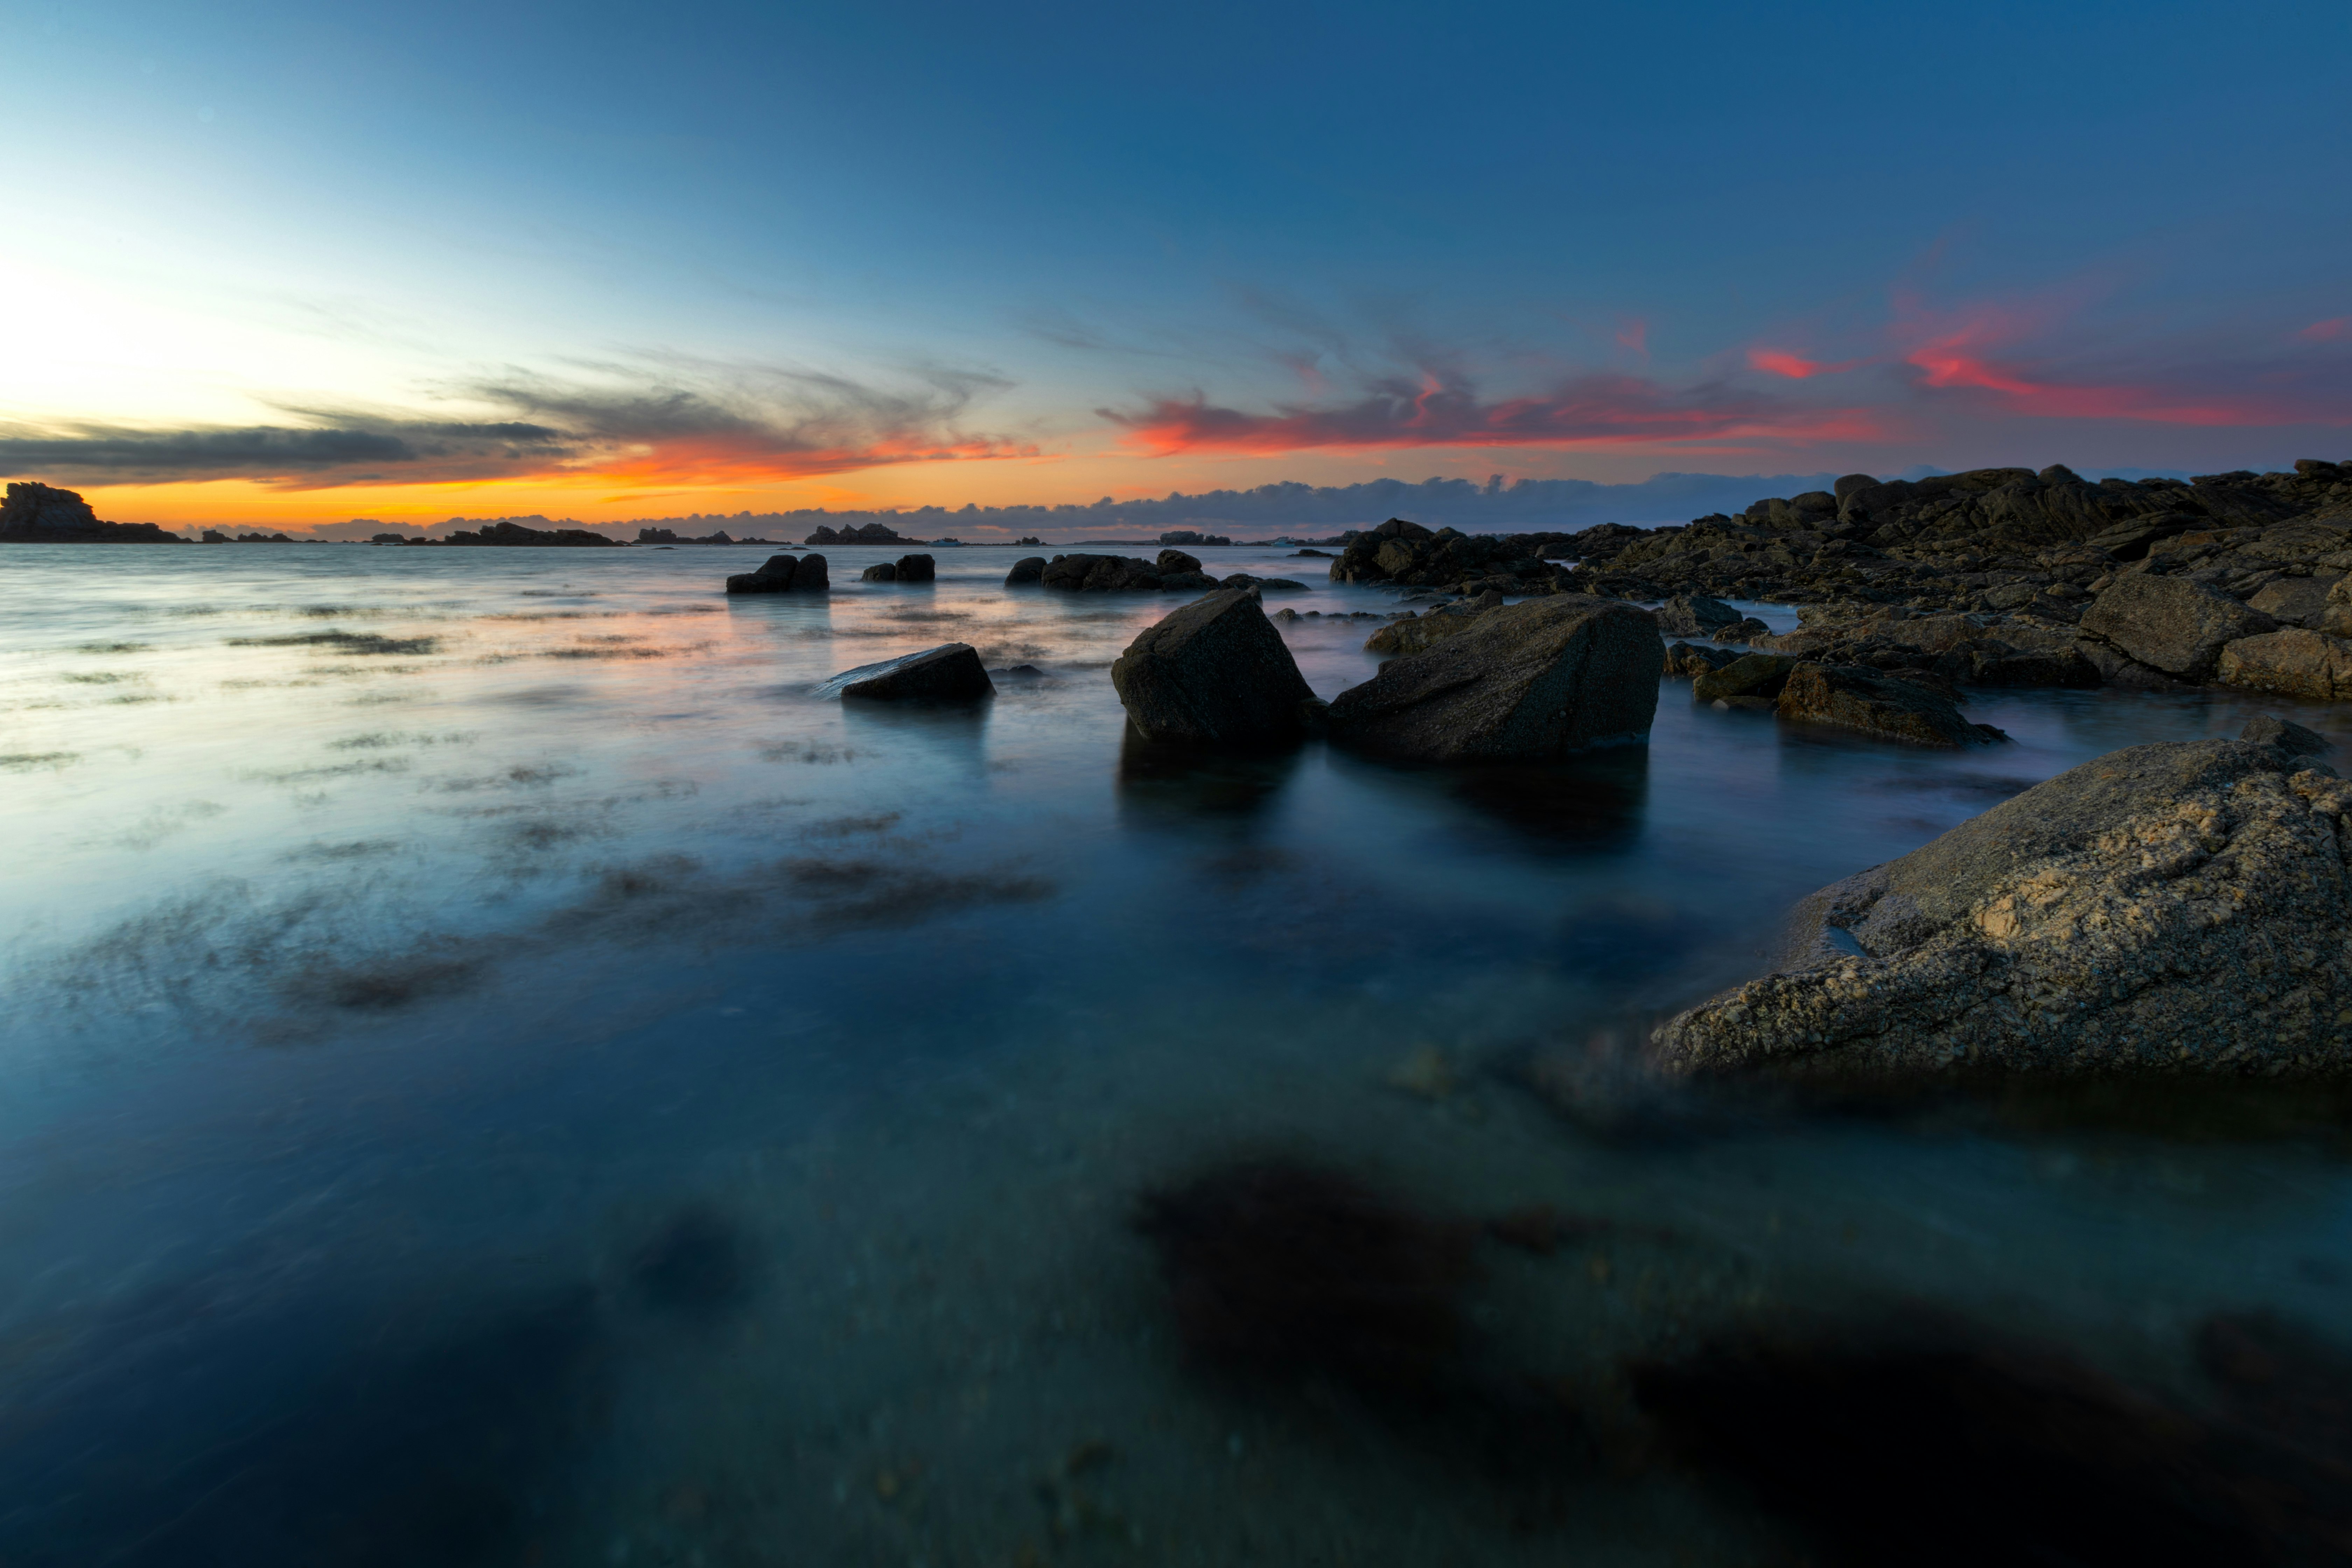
(1847, 697)
(950, 673)
(1028, 569)
(881, 571)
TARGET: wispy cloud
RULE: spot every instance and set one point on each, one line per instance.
(1445, 409)
(678, 421)
(2335, 329)
(1796, 366)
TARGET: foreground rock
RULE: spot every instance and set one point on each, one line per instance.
(1846, 697)
(2168, 907)
(950, 673)
(43, 514)
(2172, 624)
(1418, 632)
(783, 575)
(1215, 673)
(1541, 678)
(2293, 663)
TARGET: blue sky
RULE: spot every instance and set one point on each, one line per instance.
(299, 263)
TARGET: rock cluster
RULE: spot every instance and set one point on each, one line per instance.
(516, 534)
(1173, 572)
(784, 575)
(44, 514)
(2178, 906)
(2009, 577)
(905, 569)
(871, 533)
(1409, 554)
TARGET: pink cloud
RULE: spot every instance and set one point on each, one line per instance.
(1796, 367)
(1584, 411)
(1633, 332)
(2328, 330)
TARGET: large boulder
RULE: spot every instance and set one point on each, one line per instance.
(2172, 624)
(1541, 678)
(1412, 634)
(2296, 601)
(918, 569)
(775, 576)
(1213, 673)
(2293, 663)
(812, 576)
(1171, 561)
(2175, 908)
(1101, 574)
(1694, 615)
(1849, 698)
(950, 673)
(1028, 569)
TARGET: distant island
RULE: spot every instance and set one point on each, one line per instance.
(43, 514)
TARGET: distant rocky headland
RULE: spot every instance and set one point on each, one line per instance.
(43, 514)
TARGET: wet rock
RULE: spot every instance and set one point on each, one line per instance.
(1100, 575)
(916, 568)
(1847, 697)
(1694, 615)
(950, 673)
(1747, 628)
(812, 576)
(2287, 736)
(1287, 1270)
(881, 571)
(2171, 624)
(1174, 560)
(2293, 663)
(1215, 673)
(775, 576)
(2172, 908)
(1028, 569)
(1750, 675)
(1688, 660)
(1541, 678)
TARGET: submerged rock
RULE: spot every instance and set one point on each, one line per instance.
(2178, 907)
(1541, 678)
(2172, 624)
(1215, 673)
(950, 673)
(1846, 697)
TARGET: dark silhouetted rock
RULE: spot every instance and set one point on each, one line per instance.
(1860, 699)
(1690, 660)
(1213, 673)
(1028, 569)
(1101, 574)
(2171, 624)
(881, 571)
(43, 514)
(1188, 583)
(950, 673)
(916, 568)
(1172, 561)
(775, 575)
(812, 576)
(2174, 908)
(871, 533)
(1760, 675)
(1541, 678)
(515, 535)
(1415, 633)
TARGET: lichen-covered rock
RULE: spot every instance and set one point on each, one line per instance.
(1749, 674)
(1545, 677)
(2179, 907)
(1213, 673)
(2293, 663)
(950, 673)
(2171, 624)
(1848, 697)
(1412, 634)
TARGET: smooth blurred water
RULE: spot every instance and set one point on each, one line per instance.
(487, 1048)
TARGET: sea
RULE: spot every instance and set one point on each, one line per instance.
(495, 1069)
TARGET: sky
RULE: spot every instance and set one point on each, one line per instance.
(289, 265)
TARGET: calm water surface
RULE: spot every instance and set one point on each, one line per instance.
(496, 1070)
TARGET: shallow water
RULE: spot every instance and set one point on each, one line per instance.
(498, 1070)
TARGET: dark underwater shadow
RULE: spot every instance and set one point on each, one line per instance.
(1172, 789)
(1580, 806)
